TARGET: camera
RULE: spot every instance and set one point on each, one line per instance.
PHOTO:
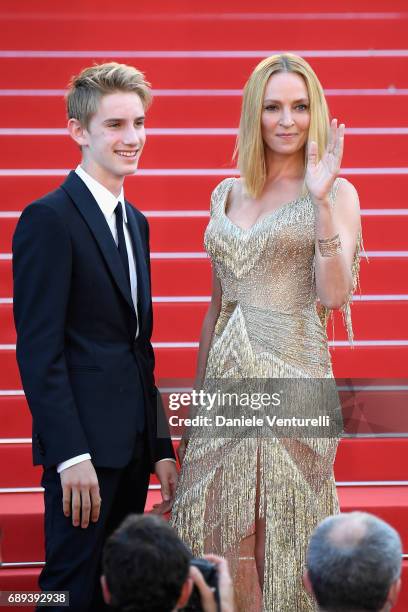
(210, 575)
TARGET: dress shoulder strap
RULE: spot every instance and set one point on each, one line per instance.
(218, 196)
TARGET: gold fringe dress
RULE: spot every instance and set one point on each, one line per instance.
(269, 326)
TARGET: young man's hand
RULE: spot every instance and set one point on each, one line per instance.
(80, 493)
(166, 472)
(181, 450)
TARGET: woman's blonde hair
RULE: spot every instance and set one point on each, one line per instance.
(250, 149)
(87, 88)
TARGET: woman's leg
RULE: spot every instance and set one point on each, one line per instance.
(259, 528)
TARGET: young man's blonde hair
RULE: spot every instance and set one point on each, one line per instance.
(87, 88)
(250, 149)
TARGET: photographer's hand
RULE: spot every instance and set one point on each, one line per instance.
(224, 586)
(208, 602)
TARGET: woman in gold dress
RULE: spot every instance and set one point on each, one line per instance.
(284, 241)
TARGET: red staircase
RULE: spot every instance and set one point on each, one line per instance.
(198, 60)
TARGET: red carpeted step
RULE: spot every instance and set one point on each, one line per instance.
(372, 459)
(182, 321)
(197, 31)
(20, 579)
(202, 6)
(202, 73)
(175, 277)
(372, 411)
(386, 233)
(26, 579)
(192, 277)
(363, 408)
(192, 192)
(192, 151)
(168, 234)
(15, 417)
(364, 362)
(20, 471)
(176, 363)
(377, 458)
(22, 516)
(23, 529)
(389, 503)
(201, 111)
(359, 459)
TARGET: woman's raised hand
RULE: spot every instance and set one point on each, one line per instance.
(320, 175)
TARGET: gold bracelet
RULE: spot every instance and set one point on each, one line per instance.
(329, 247)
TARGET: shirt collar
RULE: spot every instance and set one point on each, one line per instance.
(106, 201)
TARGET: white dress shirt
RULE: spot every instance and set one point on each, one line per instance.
(107, 202)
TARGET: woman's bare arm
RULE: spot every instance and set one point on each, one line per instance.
(333, 274)
(207, 330)
(336, 227)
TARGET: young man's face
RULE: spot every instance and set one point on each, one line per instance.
(113, 142)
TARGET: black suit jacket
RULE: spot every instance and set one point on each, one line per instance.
(79, 362)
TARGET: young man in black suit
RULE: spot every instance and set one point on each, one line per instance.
(83, 314)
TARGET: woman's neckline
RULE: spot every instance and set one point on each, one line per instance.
(260, 219)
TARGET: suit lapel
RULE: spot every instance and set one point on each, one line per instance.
(92, 214)
(143, 285)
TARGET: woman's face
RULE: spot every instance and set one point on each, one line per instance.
(285, 113)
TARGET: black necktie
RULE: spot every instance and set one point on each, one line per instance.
(121, 240)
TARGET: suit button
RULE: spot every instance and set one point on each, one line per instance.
(39, 444)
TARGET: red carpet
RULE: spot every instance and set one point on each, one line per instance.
(198, 61)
